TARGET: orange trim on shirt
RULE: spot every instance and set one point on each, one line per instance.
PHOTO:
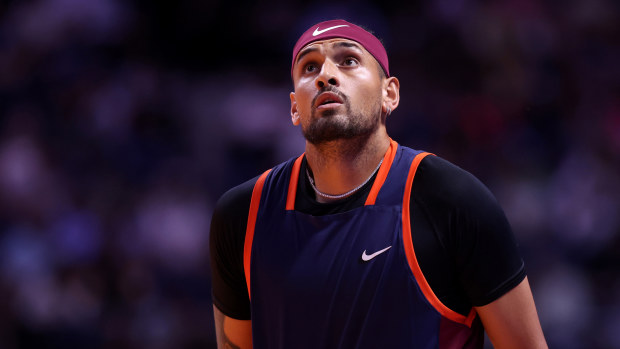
(292, 184)
(249, 231)
(470, 317)
(388, 159)
(413, 261)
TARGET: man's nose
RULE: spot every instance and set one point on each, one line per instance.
(328, 75)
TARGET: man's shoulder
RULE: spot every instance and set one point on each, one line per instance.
(446, 180)
(236, 200)
(434, 165)
(437, 166)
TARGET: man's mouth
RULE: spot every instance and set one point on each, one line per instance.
(328, 100)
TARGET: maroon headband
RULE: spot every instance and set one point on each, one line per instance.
(339, 28)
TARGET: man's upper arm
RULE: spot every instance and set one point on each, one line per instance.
(489, 265)
(471, 257)
(511, 321)
(486, 250)
(232, 333)
(226, 240)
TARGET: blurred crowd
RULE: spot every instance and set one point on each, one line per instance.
(122, 122)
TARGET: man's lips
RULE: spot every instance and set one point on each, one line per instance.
(328, 100)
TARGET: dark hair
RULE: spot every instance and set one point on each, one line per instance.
(382, 73)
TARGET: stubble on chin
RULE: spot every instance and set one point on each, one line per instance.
(340, 124)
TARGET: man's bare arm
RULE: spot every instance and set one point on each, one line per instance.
(232, 333)
(511, 321)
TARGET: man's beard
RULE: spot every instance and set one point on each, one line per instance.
(328, 126)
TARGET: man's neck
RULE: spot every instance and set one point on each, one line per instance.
(342, 165)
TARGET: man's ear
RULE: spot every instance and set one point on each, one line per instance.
(294, 112)
(391, 94)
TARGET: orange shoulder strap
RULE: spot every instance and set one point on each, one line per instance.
(412, 259)
(292, 185)
(388, 159)
(249, 231)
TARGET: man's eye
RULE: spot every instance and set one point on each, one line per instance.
(310, 68)
(350, 62)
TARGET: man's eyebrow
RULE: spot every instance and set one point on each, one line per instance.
(348, 45)
(305, 52)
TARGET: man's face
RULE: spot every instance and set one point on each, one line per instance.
(338, 91)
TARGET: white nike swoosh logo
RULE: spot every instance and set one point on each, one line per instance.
(319, 32)
(367, 257)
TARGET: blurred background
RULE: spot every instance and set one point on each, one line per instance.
(122, 122)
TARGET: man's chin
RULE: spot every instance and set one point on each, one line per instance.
(319, 137)
(325, 113)
(329, 133)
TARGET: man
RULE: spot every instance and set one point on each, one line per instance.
(360, 242)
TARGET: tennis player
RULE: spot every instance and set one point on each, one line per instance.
(361, 242)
